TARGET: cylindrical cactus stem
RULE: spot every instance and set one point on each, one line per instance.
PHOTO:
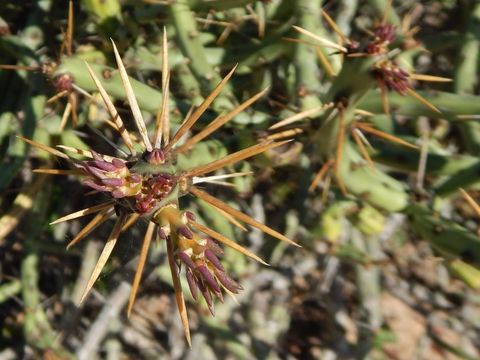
(326, 136)
(148, 98)
(305, 58)
(406, 159)
(358, 177)
(371, 185)
(189, 85)
(368, 278)
(343, 87)
(346, 14)
(452, 106)
(464, 178)
(187, 36)
(469, 274)
(217, 5)
(447, 237)
(466, 70)
(385, 10)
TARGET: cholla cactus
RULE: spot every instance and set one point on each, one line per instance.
(148, 183)
(368, 65)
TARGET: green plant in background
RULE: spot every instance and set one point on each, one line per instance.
(63, 84)
(376, 67)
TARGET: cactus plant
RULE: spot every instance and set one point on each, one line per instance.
(353, 148)
(147, 185)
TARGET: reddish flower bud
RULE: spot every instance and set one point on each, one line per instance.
(63, 82)
(213, 259)
(226, 281)
(113, 182)
(207, 296)
(119, 164)
(209, 278)
(385, 33)
(161, 234)
(118, 194)
(95, 171)
(155, 157)
(190, 216)
(135, 178)
(212, 245)
(104, 165)
(192, 284)
(94, 186)
(185, 232)
(186, 259)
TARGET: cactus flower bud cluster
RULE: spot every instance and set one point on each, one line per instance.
(383, 36)
(199, 255)
(389, 74)
(110, 176)
(154, 189)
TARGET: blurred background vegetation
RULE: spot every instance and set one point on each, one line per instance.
(388, 268)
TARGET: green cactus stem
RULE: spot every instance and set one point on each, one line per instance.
(305, 58)
(406, 159)
(370, 185)
(148, 98)
(188, 39)
(384, 8)
(465, 77)
(450, 239)
(470, 275)
(217, 5)
(461, 179)
(450, 105)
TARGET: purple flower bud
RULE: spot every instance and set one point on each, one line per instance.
(144, 203)
(192, 284)
(159, 180)
(135, 178)
(104, 165)
(156, 156)
(402, 74)
(385, 33)
(226, 281)
(185, 231)
(95, 171)
(186, 259)
(94, 185)
(212, 245)
(206, 295)
(118, 194)
(209, 278)
(213, 259)
(119, 164)
(161, 234)
(113, 182)
(190, 216)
